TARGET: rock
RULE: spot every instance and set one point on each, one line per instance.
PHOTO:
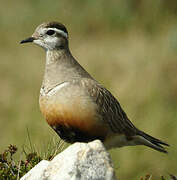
(80, 161)
(36, 172)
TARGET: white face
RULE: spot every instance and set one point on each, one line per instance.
(48, 39)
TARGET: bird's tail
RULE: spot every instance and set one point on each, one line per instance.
(147, 140)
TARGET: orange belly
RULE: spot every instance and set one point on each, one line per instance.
(74, 116)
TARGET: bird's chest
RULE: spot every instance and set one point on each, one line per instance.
(73, 117)
(58, 110)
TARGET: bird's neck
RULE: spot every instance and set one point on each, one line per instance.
(54, 56)
(61, 67)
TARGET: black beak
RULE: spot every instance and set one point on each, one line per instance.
(30, 39)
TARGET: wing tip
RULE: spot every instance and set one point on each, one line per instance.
(152, 142)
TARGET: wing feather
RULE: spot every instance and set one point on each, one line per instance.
(109, 108)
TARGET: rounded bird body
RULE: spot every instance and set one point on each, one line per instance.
(69, 108)
(75, 105)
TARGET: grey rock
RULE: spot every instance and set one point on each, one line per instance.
(80, 161)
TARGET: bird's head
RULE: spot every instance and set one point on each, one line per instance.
(50, 36)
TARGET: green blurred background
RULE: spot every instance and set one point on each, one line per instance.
(129, 46)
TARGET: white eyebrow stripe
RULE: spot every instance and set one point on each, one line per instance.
(60, 32)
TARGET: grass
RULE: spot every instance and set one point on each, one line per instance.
(131, 48)
(13, 169)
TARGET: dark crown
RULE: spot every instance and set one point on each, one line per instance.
(57, 26)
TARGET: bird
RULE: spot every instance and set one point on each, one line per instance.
(74, 104)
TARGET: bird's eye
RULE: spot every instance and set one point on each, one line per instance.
(50, 32)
